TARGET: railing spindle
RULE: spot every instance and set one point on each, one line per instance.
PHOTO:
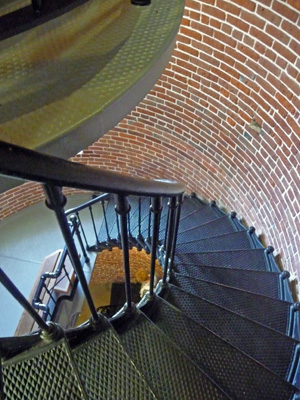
(123, 208)
(106, 224)
(170, 233)
(56, 201)
(75, 224)
(149, 224)
(177, 219)
(94, 225)
(82, 230)
(156, 207)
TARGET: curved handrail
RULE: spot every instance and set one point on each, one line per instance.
(31, 165)
(89, 203)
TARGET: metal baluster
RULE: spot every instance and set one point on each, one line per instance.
(106, 224)
(123, 208)
(177, 219)
(166, 231)
(37, 6)
(82, 230)
(119, 234)
(75, 224)
(14, 291)
(149, 223)
(55, 200)
(139, 238)
(156, 207)
(170, 232)
(94, 226)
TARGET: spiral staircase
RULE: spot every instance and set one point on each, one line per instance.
(221, 324)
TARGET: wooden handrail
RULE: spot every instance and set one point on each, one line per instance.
(31, 165)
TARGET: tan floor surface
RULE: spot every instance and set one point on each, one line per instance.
(108, 269)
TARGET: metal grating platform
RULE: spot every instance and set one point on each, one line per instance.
(169, 372)
(54, 80)
(44, 373)
(108, 372)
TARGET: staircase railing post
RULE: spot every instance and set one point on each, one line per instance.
(55, 200)
(177, 219)
(170, 232)
(75, 224)
(123, 208)
(156, 207)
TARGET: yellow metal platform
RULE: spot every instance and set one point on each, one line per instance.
(64, 83)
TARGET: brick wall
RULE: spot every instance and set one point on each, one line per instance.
(224, 117)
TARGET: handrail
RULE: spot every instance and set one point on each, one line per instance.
(89, 203)
(38, 167)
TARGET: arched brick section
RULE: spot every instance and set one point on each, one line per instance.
(224, 117)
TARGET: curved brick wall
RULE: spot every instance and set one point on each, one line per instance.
(224, 117)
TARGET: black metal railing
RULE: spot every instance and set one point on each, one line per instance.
(54, 173)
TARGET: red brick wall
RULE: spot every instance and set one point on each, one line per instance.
(224, 117)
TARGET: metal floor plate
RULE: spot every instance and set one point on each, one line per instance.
(169, 372)
(107, 371)
(43, 373)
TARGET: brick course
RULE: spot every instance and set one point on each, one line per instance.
(236, 64)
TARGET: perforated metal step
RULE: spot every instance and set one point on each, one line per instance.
(231, 241)
(270, 312)
(107, 371)
(239, 375)
(259, 282)
(220, 226)
(199, 217)
(271, 348)
(42, 373)
(170, 373)
(251, 259)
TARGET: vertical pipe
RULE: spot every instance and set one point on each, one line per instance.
(55, 200)
(156, 207)
(123, 208)
(170, 232)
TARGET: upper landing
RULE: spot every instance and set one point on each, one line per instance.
(66, 82)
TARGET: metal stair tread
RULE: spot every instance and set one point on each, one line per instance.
(273, 313)
(260, 282)
(201, 216)
(230, 241)
(44, 372)
(271, 348)
(219, 226)
(143, 340)
(252, 259)
(107, 370)
(243, 377)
